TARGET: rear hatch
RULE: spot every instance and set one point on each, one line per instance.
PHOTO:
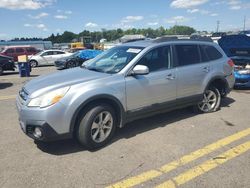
(237, 47)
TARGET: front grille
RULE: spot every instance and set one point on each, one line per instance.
(23, 94)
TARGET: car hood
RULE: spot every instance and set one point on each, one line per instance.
(43, 84)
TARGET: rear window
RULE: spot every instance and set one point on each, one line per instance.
(209, 53)
(19, 50)
(187, 54)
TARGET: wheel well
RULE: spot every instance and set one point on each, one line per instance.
(86, 106)
(33, 60)
(220, 84)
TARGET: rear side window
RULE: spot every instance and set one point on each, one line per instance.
(19, 50)
(209, 53)
(10, 51)
(187, 54)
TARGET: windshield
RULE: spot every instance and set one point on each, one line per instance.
(76, 54)
(114, 60)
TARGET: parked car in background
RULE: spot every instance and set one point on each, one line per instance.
(237, 47)
(6, 63)
(76, 59)
(47, 57)
(122, 84)
(15, 51)
(247, 32)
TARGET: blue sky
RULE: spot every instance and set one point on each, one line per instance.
(40, 18)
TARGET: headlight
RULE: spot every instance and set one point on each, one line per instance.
(49, 98)
(246, 71)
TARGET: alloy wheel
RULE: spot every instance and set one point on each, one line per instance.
(101, 126)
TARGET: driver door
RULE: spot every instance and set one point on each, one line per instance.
(156, 88)
(47, 57)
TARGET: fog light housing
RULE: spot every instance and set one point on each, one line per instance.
(37, 132)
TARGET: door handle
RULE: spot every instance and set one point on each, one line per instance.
(170, 77)
(206, 69)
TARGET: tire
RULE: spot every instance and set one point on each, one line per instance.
(211, 101)
(93, 133)
(33, 63)
(70, 65)
(1, 71)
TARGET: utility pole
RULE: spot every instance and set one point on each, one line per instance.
(244, 25)
(218, 26)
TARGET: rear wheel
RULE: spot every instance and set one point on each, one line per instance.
(97, 126)
(211, 101)
(33, 63)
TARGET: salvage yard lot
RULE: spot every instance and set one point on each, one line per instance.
(147, 152)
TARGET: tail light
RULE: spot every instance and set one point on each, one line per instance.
(230, 63)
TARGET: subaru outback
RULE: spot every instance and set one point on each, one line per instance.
(125, 83)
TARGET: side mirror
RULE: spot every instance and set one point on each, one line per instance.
(140, 70)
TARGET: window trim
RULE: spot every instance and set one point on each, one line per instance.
(149, 50)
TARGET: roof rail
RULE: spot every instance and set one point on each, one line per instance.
(175, 38)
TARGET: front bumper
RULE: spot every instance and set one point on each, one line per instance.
(60, 64)
(44, 119)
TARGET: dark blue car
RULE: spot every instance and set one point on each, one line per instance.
(76, 59)
(237, 47)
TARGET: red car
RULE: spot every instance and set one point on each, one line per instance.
(15, 51)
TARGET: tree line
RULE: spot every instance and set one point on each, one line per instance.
(111, 35)
(115, 34)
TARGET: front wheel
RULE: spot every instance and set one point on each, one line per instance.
(97, 126)
(211, 101)
(33, 63)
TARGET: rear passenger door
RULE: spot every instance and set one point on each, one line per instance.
(191, 71)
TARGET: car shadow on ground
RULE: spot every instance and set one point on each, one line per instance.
(5, 85)
(132, 129)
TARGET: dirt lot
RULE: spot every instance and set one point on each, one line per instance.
(175, 149)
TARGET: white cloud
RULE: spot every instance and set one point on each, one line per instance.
(91, 25)
(236, 7)
(27, 25)
(61, 17)
(153, 23)
(68, 12)
(214, 14)
(177, 19)
(129, 19)
(25, 4)
(39, 16)
(38, 26)
(193, 10)
(187, 3)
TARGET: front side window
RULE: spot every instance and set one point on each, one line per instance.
(47, 53)
(187, 54)
(113, 60)
(58, 52)
(31, 50)
(157, 59)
